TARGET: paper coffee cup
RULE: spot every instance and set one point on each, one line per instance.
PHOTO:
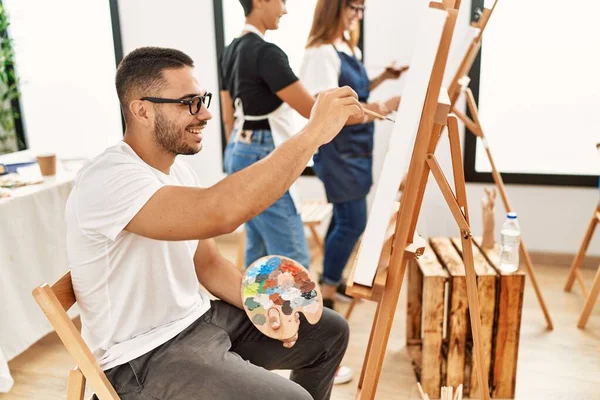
(47, 163)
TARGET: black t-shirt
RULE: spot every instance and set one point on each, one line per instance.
(254, 70)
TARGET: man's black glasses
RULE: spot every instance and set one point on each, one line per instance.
(195, 103)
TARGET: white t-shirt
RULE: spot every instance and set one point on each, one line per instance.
(134, 293)
(321, 66)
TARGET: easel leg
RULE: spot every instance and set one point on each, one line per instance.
(574, 270)
(368, 353)
(386, 307)
(501, 188)
(378, 341)
(536, 287)
(459, 209)
(590, 301)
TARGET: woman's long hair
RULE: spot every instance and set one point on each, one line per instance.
(327, 24)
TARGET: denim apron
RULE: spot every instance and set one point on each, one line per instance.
(345, 164)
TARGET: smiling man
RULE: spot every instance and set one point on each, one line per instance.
(139, 232)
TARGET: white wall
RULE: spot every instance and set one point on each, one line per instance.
(552, 219)
(186, 25)
(65, 61)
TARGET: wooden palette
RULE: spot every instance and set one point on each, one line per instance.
(281, 283)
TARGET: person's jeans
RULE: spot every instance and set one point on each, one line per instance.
(347, 224)
(222, 356)
(279, 229)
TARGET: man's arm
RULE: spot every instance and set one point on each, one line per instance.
(185, 213)
(227, 112)
(217, 274)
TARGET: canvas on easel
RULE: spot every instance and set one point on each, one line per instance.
(402, 139)
(459, 85)
(382, 258)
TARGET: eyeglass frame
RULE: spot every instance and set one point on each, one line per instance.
(187, 102)
(356, 9)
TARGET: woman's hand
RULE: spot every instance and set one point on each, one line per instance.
(381, 108)
(390, 72)
(392, 104)
(393, 72)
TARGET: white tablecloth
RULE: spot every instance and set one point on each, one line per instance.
(32, 251)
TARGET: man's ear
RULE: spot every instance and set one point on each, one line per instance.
(257, 4)
(141, 112)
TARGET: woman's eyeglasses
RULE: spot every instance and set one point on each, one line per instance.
(356, 9)
(195, 103)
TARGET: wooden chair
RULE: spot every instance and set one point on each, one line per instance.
(313, 213)
(55, 301)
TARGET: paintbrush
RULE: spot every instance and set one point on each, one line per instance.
(424, 395)
(377, 115)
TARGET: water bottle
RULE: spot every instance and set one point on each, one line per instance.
(510, 236)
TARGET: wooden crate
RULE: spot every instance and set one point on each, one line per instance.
(425, 319)
(507, 327)
(439, 338)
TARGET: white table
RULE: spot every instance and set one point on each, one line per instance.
(32, 251)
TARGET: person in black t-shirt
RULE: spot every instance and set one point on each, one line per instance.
(258, 92)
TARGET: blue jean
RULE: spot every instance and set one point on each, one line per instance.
(279, 229)
(347, 224)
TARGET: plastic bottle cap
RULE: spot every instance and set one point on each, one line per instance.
(512, 215)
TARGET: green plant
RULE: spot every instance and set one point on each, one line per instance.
(9, 90)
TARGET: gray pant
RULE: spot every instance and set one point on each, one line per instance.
(222, 356)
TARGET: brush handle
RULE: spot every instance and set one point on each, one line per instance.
(377, 115)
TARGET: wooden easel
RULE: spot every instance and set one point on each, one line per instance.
(404, 244)
(590, 301)
(574, 271)
(458, 86)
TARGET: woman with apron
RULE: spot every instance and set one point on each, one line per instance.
(258, 92)
(345, 164)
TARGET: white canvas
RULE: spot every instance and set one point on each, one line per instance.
(458, 51)
(401, 144)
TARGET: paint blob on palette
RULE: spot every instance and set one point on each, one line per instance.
(281, 283)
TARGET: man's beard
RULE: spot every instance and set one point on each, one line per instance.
(168, 137)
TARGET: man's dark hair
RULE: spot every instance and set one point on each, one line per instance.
(247, 4)
(141, 72)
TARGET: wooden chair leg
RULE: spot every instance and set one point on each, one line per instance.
(76, 386)
(318, 240)
(590, 301)
(351, 308)
(241, 250)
